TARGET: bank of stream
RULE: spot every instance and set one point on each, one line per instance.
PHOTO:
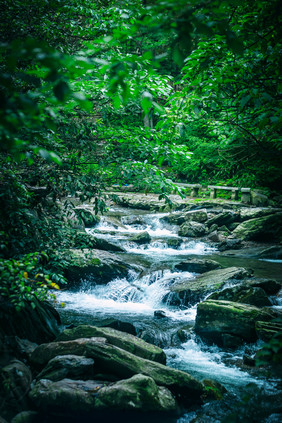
(143, 300)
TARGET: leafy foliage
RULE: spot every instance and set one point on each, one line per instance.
(22, 280)
(116, 92)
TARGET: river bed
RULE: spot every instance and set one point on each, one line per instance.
(135, 299)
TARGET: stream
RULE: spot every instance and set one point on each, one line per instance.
(135, 300)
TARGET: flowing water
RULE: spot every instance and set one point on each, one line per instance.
(135, 299)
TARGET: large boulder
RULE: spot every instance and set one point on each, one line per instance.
(225, 218)
(15, 380)
(117, 324)
(192, 229)
(191, 291)
(179, 218)
(101, 266)
(67, 366)
(255, 212)
(267, 228)
(103, 244)
(140, 238)
(199, 216)
(197, 265)
(243, 294)
(229, 324)
(133, 220)
(39, 324)
(114, 361)
(139, 393)
(259, 199)
(270, 286)
(266, 330)
(176, 218)
(122, 340)
(66, 396)
(19, 348)
(46, 352)
(82, 239)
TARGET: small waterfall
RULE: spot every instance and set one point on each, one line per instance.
(136, 298)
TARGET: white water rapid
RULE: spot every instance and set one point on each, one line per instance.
(135, 299)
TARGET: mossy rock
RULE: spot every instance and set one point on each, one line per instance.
(267, 228)
(85, 398)
(96, 265)
(120, 339)
(191, 291)
(216, 318)
(243, 294)
(114, 361)
(140, 238)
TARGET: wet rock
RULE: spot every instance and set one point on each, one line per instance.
(215, 237)
(258, 199)
(101, 266)
(26, 417)
(233, 226)
(120, 339)
(197, 265)
(65, 396)
(132, 220)
(160, 314)
(124, 365)
(67, 366)
(103, 244)
(184, 334)
(212, 228)
(230, 244)
(115, 361)
(20, 348)
(191, 291)
(224, 229)
(270, 286)
(216, 318)
(179, 218)
(255, 212)
(39, 324)
(266, 330)
(140, 392)
(174, 242)
(140, 238)
(273, 252)
(174, 218)
(199, 216)
(118, 325)
(243, 294)
(225, 218)
(78, 397)
(15, 380)
(46, 352)
(267, 228)
(192, 229)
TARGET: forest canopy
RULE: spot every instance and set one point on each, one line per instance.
(143, 92)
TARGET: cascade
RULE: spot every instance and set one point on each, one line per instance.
(135, 299)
